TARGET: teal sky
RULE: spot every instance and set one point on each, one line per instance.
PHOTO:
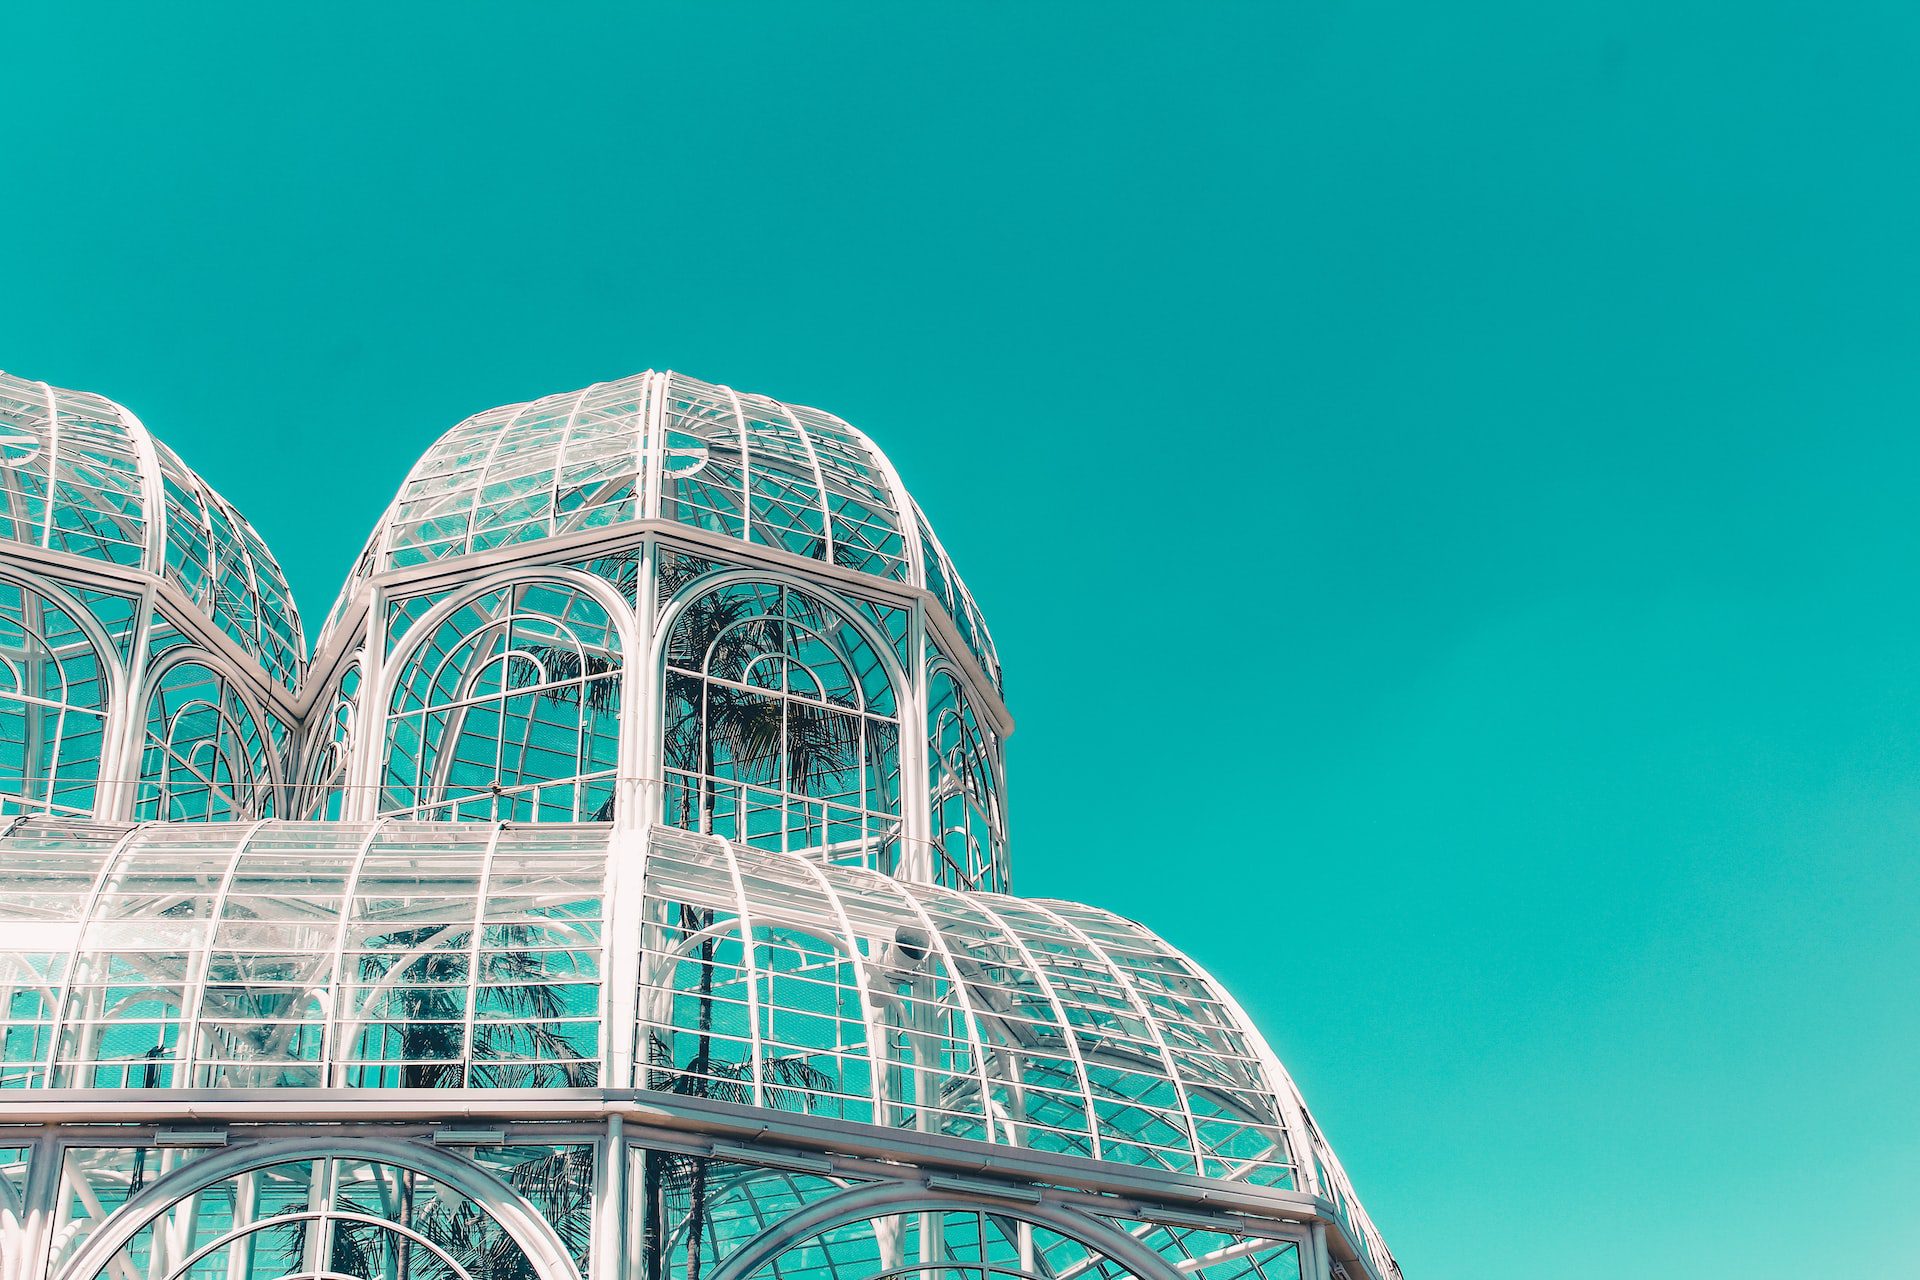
(1441, 477)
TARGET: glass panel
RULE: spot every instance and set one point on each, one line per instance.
(948, 1245)
(845, 993)
(95, 1181)
(236, 956)
(509, 710)
(356, 1219)
(963, 782)
(53, 706)
(521, 472)
(221, 565)
(330, 745)
(694, 1212)
(1217, 1255)
(206, 757)
(70, 475)
(557, 1179)
(780, 727)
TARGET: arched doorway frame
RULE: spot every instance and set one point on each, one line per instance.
(884, 1199)
(516, 1215)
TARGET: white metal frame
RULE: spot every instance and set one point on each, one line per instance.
(512, 1211)
(938, 1048)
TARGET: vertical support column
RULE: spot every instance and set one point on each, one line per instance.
(931, 1240)
(917, 854)
(476, 958)
(621, 956)
(126, 729)
(37, 762)
(638, 766)
(362, 800)
(182, 1228)
(246, 1204)
(42, 1196)
(126, 721)
(319, 1200)
(607, 1260)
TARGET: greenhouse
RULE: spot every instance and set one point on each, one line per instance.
(620, 889)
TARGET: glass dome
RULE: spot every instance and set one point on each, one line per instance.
(621, 895)
(663, 446)
(80, 475)
(662, 600)
(149, 647)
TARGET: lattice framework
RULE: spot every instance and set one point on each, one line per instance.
(724, 1048)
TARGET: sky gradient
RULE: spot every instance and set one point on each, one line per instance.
(1441, 479)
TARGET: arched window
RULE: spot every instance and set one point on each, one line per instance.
(780, 727)
(206, 757)
(328, 750)
(969, 831)
(745, 1211)
(876, 1232)
(957, 1244)
(53, 693)
(708, 1208)
(509, 710)
(317, 1214)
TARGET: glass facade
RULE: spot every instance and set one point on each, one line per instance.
(149, 645)
(620, 892)
(81, 477)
